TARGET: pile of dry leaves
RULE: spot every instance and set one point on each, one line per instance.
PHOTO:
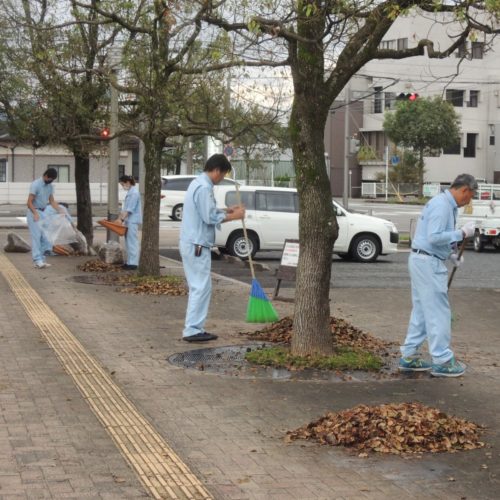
(98, 266)
(345, 334)
(392, 428)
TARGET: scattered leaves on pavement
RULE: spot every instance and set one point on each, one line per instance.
(343, 333)
(162, 285)
(392, 428)
(99, 266)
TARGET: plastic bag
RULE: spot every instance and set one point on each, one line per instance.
(111, 253)
(58, 230)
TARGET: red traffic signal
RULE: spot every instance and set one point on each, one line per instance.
(105, 133)
(407, 97)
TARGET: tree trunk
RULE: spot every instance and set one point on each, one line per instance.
(149, 264)
(318, 231)
(83, 198)
(318, 227)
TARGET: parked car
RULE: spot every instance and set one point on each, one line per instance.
(484, 211)
(173, 190)
(272, 215)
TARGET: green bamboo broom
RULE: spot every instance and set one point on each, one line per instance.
(259, 308)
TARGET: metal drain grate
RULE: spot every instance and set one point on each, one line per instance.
(95, 279)
(216, 356)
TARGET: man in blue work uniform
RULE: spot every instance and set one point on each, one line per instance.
(435, 241)
(200, 217)
(131, 216)
(41, 195)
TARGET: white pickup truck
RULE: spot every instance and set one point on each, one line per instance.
(484, 210)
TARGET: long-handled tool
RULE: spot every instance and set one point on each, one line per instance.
(259, 309)
(460, 253)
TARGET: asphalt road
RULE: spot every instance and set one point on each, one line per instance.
(480, 270)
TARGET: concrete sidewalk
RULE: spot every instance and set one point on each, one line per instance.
(227, 431)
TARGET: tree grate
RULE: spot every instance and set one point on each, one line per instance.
(230, 361)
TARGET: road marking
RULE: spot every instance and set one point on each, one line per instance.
(161, 471)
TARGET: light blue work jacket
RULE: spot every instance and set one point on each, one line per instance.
(132, 205)
(200, 215)
(435, 232)
(42, 193)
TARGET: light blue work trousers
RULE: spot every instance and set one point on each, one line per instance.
(39, 243)
(132, 244)
(431, 316)
(199, 279)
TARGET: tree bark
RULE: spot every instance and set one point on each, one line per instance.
(149, 264)
(318, 231)
(83, 197)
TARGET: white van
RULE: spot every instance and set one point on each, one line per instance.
(173, 191)
(272, 215)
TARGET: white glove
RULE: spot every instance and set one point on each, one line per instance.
(469, 228)
(457, 262)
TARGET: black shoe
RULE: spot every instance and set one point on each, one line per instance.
(200, 337)
(129, 267)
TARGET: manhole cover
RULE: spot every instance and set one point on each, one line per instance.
(230, 361)
(98, 279)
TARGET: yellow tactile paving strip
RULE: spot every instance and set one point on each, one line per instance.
(160, 470)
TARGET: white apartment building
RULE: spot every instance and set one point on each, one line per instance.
(469, 79)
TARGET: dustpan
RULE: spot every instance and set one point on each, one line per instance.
(117, 228)
(60, 250)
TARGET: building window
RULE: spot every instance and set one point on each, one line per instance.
(377, 104)
(121, 170)
(477, 50)
(62, 172)
(3, 170)
(389, 100)
(462, 50)
(402, 43)
(456, 97)
(470, 148)
(492, 140)
(473, 99)
(388, 44)
(454, 149)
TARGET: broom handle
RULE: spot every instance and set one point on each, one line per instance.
(460, 253)
(238, 198)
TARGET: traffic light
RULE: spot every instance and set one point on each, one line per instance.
(354, 145)
(105, 133)
(413, 96)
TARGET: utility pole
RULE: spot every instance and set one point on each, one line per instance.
(33, 161)
(347, 147)
(113, 208)
(189, 157)
(142, 173)
(386, 172)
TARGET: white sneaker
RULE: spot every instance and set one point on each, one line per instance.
(41, 265)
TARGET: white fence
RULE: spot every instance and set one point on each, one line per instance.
(13, 193)
(375, 189)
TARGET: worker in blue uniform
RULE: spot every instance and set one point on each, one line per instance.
(40, 197)
(200, 218)
(434, 242)
(131, 216)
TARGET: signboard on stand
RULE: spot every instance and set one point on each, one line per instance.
(288, 265)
